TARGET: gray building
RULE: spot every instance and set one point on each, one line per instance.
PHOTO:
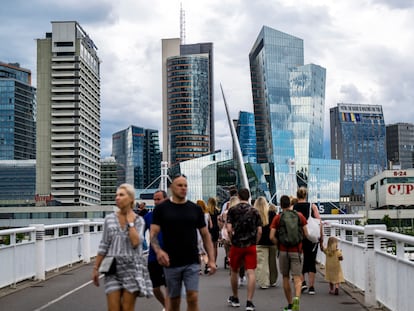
(68, 116)
(400, 145)
(17, 113)
(108, 181)
(188, 110)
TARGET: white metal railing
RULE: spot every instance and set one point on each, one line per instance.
(376, 261)
(30, 252)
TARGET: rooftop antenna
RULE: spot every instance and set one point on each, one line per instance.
(182, 24)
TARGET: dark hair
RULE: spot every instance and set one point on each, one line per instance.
(233, 192)
(164, 194)
(244, 194)
(284, 201)
(178, 175)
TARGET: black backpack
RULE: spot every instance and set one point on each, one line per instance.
(290, 232)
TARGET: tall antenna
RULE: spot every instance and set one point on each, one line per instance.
(182, 24)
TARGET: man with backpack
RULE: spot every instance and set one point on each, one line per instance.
(287, 231)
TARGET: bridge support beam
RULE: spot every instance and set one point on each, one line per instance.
(40, 252)
(86, 243)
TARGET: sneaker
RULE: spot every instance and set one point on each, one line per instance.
(311, 290)
(233, 301)
(336, 291)
(264, 287)
(295, 305)
(249, 306)
(304, 286)
(288, 308)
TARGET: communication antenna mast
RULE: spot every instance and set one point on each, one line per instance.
(182, 24)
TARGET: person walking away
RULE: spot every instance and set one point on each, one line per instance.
(244, 227)
(287, 231)
(266, 271)
(224, 235)
(214, 212)
(333, 269)
(123, 234)
(156, 271)
(179, 219)
(310, 249)
(202, 252)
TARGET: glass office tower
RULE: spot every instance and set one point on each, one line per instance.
(246, 132)
(358, 140)
(188, 114)
(17, 113)
(400, 145)
(136, 151)
(288, 102)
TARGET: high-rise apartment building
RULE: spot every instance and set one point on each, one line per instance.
(288, 102)
(68, 116)
(358, 141)
(17, 113)
(246, 133)
(188, 114)
(136, 151)
(108, 181)
(400, 145)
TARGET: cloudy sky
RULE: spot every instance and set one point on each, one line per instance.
(365, 45)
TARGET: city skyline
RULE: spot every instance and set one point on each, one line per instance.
(365, 48)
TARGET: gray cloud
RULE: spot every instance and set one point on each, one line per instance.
(396, 4)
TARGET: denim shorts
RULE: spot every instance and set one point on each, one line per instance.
(176, 276)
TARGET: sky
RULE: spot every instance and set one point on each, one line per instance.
(365, 45)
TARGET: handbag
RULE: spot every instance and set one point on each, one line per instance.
(108, 265)
(314, 227)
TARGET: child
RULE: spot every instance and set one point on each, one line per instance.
(333, 270)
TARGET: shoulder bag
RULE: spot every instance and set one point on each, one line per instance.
(314, 227)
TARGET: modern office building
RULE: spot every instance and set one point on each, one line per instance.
(288, 102)
(136, 151)
(68, 116)
(358, 141)
(400, 145)
(246, 132)
(188, 114)
(17, 113)
(108, 181)
(17, 183)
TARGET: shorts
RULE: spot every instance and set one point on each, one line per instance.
(290, 262)
(238, 255)
(156, 272)
(176, 276)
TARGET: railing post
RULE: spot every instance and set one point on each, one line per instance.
(86, 237)
(40, 252)
(371, 245)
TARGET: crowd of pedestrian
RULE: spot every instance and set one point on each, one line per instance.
(259, 243)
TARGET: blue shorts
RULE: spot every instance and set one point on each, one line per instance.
(176, 276)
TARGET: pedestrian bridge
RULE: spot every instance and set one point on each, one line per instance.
(377, 267)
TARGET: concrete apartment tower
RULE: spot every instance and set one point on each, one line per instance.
(68, 117)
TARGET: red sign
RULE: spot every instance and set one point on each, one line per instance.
(404, 189)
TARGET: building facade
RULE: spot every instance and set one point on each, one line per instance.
(68, 116)
(358, 141)
(400, 145)
(136, 151)
(108, 181)
(246, 133)
(188, 111)
(17, 113)
(288, 103)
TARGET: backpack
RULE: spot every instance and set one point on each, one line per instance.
(290, 232)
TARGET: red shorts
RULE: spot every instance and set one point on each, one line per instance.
(240, 255)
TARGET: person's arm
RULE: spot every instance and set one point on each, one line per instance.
(272, 235)
(133, 231)
(315, 211)
(162, 256)
(95, 272)
(208, 246)
(258, 234)
(229, 229)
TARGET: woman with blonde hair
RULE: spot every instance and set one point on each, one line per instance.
(121, 248)
(214, 212)
(266, 270)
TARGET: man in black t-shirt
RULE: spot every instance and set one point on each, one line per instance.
(179, 220)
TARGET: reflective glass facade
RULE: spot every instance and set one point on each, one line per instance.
(246, 132)
(188, 107)
(136, 151)
(17, 182)
(288, 102)
(17, 113)
(358, 140)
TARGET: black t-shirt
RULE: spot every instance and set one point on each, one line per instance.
(179, 224)
(265, 238)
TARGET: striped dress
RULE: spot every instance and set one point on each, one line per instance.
(131, 266)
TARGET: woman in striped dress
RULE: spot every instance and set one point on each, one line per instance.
(122, 238)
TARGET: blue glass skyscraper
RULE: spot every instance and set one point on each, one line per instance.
(288, 102)
(358, 138)
(17, 113)
(246, 132)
